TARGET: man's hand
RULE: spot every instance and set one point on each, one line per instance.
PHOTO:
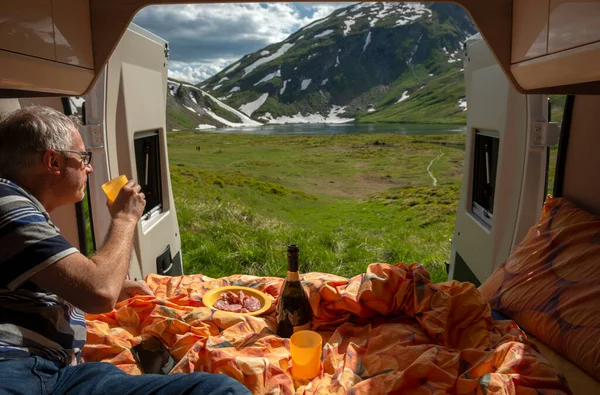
(129, 204)
(132, 288)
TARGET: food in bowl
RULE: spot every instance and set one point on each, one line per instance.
(237, 302)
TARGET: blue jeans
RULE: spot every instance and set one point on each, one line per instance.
(35, 375)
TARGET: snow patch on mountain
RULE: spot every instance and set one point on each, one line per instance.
(324, 81)
(405, 96)
(230, 69)
(359, 6)
(216, 87)
(332, 117)
(315, 23)
(189, 108)
(381, 14)
(284, 86)
(264, 53)
(283, 49)
(246, 121)
(203, 126)
(324, 33)
(410, 12)
(367, 41)
(252, 106)
(305, 84)
(269, 77)
(452, 56)
(223, 120)
(235, 89)
(462, 104)
(222, 80)
(414, 50)
(173, 87)
(348, 23)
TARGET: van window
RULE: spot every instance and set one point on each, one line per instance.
(485, 163)
(556, 109)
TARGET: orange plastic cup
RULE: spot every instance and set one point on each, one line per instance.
(112, 187)
(306, 347)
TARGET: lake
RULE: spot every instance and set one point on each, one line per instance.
(346, 128)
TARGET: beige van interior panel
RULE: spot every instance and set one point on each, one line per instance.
(513, 37)
(27, 27)
(582, 170)
(72, 32)
(529, 29)
(573, 23)
(23, 72)
(495, 106)
(7, 106)
(573, 66)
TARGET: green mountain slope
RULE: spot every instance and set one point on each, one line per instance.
(369, 62)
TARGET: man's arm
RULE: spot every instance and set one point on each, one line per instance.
(94, 284)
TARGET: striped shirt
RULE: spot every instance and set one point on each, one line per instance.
(32, 320)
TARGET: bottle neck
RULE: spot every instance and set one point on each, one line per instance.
(293, 276)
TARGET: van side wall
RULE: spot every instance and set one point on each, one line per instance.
(582, 169)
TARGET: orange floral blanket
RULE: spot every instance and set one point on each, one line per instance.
(387, 330)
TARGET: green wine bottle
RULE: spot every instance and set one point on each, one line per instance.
(293, 309)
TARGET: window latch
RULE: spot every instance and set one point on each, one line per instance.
(544, 134)
(92, 135)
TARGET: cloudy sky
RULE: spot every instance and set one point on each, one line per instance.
(204, 38)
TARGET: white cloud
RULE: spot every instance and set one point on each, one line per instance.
(195, 72)
(205, 38)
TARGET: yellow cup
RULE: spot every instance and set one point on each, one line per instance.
(306, 347)
(112, 187)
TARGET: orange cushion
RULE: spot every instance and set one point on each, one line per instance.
(550, 284)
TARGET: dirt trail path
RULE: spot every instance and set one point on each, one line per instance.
(429, 168)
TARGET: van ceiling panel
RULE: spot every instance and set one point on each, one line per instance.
(26, 28)
(72, 32)
(525, 41)
(530, 24)
(572, 23)
(572, 66)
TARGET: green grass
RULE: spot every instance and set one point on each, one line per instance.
(432, 100)
(558, 106)
(557, 109)
(180, 119)
(347, 200)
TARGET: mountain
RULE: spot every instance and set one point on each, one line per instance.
(369, 62)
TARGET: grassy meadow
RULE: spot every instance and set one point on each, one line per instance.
(346, 200)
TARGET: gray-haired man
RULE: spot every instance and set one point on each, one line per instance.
(45, 281)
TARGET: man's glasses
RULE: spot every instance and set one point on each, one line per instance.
(86, 156)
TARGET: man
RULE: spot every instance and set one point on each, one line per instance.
(45, 281)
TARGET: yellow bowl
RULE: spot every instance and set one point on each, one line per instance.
(211, 296)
